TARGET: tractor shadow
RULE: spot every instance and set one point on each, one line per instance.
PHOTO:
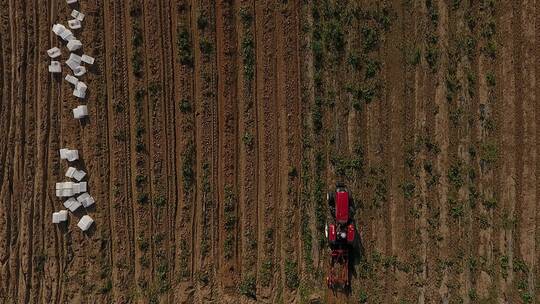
(357, 251)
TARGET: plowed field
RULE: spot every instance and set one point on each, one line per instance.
(216, 128)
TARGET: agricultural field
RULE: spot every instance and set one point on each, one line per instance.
(216, 128)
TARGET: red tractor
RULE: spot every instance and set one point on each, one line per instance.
(340, 235)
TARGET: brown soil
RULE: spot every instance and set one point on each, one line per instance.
(216, 128)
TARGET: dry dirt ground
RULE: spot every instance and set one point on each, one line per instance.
(216, 127)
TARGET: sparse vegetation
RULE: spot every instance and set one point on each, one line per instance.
(185, 106)
(248, 287)
(160, 201)
(142, 198)
(206, 46)
(188, 162)
(248, 55)
(291, 274)
(185, 52)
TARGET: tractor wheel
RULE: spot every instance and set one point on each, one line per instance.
(330, 198)
(326, 230)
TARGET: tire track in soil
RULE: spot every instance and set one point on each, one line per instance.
(248, 158)
(536, 269)
(426, 91)
(59, 246)
(527, 220)
(120, 202)
(507, 181)
(157, 151)
(288, 99)
(171, 195)
(97, 255)
(415, 89)
(39, 180)
(185, 136)
(441, 161)
(307, 252)
(45, 287)
(518, 133)
(457, 135)
(11, 213)
(71, 137)
(486, 175)
(42, 130)
(474, 91)
(228, 147)
(206, 226)
(26, 152)
(141, 150)
(268, 206)
(469, 105)
(398, 92)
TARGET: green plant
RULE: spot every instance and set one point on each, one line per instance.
(144, 261)
(246, 16)
(490, 49)
(354, 61)
(139, 130)
(456, 208)
(140, 180)
(137, 63)
(248, 139)
(142, 198)
(107, 287)
(454, 175)
(188, 161)
(334, 37)
(120, 135)
(248, 287)
(408, 189)
(489, 154)
(432, 57)
(118, 107)
(206, 46)
(265, 273)
(154, 89)
(183, 42)
(291, 274)
(139, 97)
(372, 67)
(143, 243)
(293, 173)
(317, 115)
(162, 271)
(432, 12)
(490, 79)
(139, 147)
(413, 56)
(137, 37)
(228, 247)
(248, 53)
(362, 297)
(185, 106)
(202, 22)
(135, 10)
(370, 38)
(490, 203)
(160, 201)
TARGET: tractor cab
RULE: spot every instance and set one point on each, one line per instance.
(342, 207)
